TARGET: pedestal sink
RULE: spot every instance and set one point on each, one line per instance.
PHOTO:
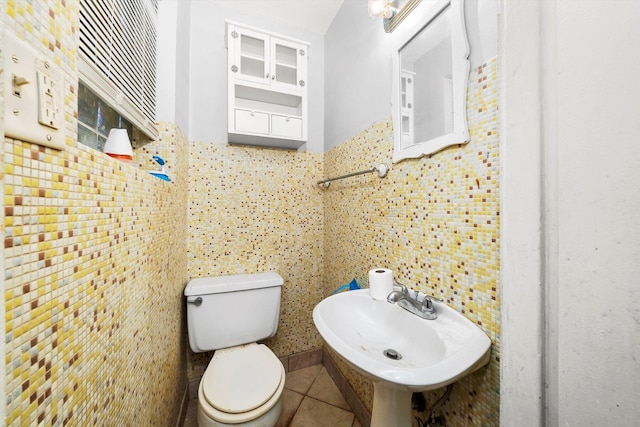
(400, 352)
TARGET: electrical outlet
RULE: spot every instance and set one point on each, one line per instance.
(33, 95)
(48, 102)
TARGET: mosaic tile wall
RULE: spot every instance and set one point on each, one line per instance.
(435, 222)
(95, 264)
(254, 209)
(2, 387)
(95, 259)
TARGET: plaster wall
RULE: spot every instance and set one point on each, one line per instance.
(570, 204)
(166, 60)
(172, 91)
(592, 197)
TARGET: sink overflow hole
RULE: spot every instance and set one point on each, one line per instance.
(392, 354)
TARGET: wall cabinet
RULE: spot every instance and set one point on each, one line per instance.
(267, 78)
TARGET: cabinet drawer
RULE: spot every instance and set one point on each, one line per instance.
(286, 126)
(252, 122)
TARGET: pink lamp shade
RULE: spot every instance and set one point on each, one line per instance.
(118, 145)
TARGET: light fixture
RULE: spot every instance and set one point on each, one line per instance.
(118, 145)
(382, 8)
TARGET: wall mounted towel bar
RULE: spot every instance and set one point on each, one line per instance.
(382, 170)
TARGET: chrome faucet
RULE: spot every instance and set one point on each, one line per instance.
(424, 309)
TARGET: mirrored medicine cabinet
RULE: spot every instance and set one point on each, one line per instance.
(430, 72)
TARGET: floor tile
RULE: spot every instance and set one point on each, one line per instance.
(325, 390)
(313, 413)
(291, 402)
(301, 380)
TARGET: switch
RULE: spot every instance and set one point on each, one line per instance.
(17, 83)
(33, 100)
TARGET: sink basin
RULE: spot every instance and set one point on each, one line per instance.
(433, 353)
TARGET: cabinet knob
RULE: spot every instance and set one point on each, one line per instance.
(288, 119)
(302, 83)
(267, 75)
(234, 68)
(273, 77)
(253, 113)
(301, 52)
(409, 105)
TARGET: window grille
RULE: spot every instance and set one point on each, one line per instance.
(118, 57)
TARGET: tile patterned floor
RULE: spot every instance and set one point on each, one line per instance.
(311, 399)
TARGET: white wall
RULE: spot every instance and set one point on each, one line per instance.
(172, 57)
(166, 60)
(208, 70)
(587, 134)
(183, 67)
(593, 198)
(358, 65)
(357, 73)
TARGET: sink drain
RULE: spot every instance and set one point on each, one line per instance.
(392, 354)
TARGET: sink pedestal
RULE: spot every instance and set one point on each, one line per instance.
(391, 407)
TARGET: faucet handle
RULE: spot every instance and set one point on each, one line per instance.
(403, 288)
(428, 301)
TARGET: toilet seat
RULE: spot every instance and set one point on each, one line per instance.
(241, 383)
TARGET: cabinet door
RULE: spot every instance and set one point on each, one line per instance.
(249, 58)
(288, 64)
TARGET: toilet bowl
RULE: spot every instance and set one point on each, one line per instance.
(242, 386)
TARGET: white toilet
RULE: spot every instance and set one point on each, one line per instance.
(243, 383)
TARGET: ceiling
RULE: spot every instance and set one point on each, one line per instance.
(313, 15)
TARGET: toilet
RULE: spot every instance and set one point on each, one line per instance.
(242, 386)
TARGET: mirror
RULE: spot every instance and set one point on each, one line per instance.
(430, 72)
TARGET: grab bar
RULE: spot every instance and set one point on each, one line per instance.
(382, 170)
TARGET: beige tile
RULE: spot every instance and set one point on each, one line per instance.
(285, 363)
(305, 359)
(325, 390)
(313, 413)
(290, 406)
(302, 379)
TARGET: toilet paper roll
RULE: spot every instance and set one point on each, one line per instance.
(380, 283)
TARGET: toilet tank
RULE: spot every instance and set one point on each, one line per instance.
(226, 311)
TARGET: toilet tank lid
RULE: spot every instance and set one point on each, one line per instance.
(232, 283)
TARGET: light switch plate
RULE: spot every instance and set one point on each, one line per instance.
(33, 103)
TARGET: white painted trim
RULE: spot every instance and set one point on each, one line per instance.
(522, 332)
